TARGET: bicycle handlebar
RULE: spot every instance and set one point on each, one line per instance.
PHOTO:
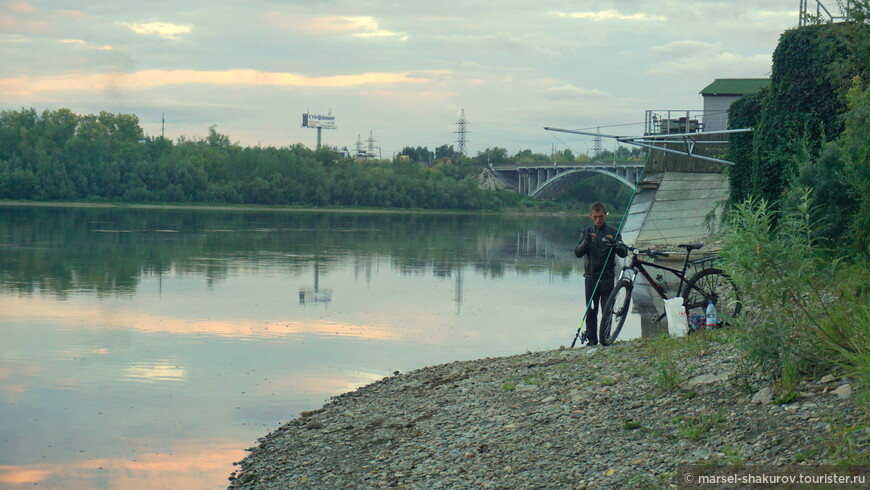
(648, 252)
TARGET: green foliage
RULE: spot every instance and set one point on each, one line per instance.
(597, 188)
(743, 113)
(855, 152)
(806, 310)
(58, 155)
(812, 71)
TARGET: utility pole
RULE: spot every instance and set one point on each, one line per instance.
(162, 124)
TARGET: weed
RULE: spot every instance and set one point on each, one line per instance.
(743, 373)
(847, 444)
(641, 480)
(697, 427)
(734, 456)
(508, 386)
(785, 388)
(667, 366)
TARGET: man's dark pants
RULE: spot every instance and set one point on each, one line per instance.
(598, 298)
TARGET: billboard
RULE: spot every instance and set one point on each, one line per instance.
(318, 121)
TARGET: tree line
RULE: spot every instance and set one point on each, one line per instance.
(57, 155)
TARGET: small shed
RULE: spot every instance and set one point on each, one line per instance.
(719, 95)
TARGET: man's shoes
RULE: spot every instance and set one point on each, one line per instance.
(592, 343)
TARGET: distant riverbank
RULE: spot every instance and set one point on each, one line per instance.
(254, 207)
(626, 416)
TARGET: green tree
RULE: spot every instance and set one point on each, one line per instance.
(492, 156)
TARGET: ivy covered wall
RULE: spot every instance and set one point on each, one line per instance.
(813, 69)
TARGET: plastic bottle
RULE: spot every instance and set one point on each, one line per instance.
(661, 280)
(710, 323)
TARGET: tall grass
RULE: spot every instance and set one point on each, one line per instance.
(806, 310)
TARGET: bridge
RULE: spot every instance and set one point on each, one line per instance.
(548, 181)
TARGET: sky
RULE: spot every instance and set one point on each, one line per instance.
(400, 72)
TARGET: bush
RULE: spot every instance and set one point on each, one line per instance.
(806, 311)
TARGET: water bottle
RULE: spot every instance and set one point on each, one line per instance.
(661, 280)
(710, 323)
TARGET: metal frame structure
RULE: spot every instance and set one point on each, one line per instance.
(845, 11)
(462, 131)
(654, 140)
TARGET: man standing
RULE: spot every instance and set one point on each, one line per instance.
(597, 245)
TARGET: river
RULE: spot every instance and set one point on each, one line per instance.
(147, 348)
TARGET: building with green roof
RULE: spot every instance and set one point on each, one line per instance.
(719, 95)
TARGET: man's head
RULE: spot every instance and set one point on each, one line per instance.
(598, 213)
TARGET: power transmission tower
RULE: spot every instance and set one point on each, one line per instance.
(371, 142)
(596, 144)
(359, 150)
(462, 131)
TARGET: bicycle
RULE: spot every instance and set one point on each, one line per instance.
(707, 284)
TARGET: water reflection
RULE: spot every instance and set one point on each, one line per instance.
(145, 348)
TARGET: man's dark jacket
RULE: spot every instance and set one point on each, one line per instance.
(596, 251)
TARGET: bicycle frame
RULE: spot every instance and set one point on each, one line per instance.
(636, 264)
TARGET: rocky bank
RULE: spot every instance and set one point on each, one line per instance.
(624, 416)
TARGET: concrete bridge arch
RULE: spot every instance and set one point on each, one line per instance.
(550, 181)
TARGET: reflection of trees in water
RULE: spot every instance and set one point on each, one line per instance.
(109, 251)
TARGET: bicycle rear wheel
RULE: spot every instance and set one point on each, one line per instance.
(716, 286)
(614, 312)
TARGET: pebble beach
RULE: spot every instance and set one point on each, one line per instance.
(623, 416)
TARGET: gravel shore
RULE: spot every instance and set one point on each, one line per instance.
(624, 416)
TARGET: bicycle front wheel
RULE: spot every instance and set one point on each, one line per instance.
(716, 286)
(614, 312)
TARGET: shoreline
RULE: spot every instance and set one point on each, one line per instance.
(564, 418)
(307, 209)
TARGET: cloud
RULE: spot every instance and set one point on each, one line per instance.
(162, 29)
(83, 44)
(370, 28)
(712, 66)
(604, 15)
(22, 7)
(71, 13)
(355, 26)
(569, 91)
(687, 49)
(155, 78)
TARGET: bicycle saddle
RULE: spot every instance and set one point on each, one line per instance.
(691, 246)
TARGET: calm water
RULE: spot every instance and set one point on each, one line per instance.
(149, 348)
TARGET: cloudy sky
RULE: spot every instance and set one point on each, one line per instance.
(400, 70)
